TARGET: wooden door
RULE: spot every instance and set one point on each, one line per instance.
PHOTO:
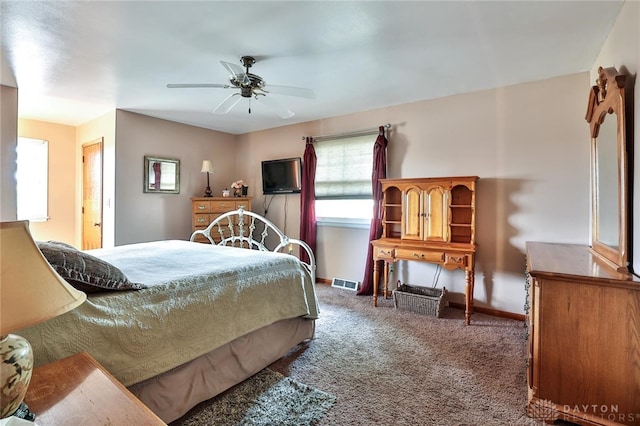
(92, 195)
(436, 206)
(412, 214)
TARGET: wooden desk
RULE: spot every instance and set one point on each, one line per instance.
(449, 256)
(428, 220)
(79, 391)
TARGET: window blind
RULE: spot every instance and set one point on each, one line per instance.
(344, 167)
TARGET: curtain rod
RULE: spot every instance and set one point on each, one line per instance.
(348, 134)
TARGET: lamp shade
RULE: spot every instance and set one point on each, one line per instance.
(30, 290)
(207, 166)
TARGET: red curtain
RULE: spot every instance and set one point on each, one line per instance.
(375, 232)
(307, 200)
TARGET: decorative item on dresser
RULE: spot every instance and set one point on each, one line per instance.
(205, 210)
(207, 167)
(239, 188)
(428, 220)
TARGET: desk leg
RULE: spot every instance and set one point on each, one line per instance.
(469, 277)
(385, 276)
(375, 283)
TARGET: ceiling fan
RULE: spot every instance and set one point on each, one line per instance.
(251, 86)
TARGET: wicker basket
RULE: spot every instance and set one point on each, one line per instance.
(421, 300)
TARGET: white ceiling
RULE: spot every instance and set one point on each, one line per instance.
(74, 61)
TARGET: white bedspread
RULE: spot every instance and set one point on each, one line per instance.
(200, 297)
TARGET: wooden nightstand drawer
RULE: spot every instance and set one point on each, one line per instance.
(417, 254)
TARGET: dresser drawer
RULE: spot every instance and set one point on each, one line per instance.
(386, 253)
(201, 207)
(202, 220)
(244, 204)
(223, 206)
(418, 254)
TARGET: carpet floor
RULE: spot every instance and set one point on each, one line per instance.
(392, 367)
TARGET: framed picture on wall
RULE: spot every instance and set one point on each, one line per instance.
(161, 175)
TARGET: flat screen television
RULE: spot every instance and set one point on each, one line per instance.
(283, 176)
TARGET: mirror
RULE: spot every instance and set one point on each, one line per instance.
(606, 118)
(161, 175)
(606, 184)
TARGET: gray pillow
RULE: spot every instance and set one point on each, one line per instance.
(84, 271)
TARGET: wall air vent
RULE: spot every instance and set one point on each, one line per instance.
(345, 284)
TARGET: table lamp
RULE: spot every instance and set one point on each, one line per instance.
(207, 167)
(30, 292)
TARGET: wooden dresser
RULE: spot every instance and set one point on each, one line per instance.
(584, 338)
(205, 209)
(428, 220)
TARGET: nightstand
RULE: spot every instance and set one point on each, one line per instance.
(77, 390)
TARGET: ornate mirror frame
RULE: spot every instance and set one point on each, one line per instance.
(606, 118)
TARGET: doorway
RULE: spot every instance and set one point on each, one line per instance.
(92, 195)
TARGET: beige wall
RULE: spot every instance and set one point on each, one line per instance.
(8, 141)
(62, 179)
(622, 50)
(527, 144)
(146, 217)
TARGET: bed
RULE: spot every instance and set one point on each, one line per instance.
(178, 322)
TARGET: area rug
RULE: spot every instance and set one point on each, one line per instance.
(267, 398)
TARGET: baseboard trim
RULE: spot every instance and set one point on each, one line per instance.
(489, 311)
(479, 309)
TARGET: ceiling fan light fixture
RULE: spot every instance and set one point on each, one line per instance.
(251, 85)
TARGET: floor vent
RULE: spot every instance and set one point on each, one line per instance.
(345, 284)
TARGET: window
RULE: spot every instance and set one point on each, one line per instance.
(32, 178)
(343, 180)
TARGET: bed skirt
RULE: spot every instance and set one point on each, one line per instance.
(172, 394)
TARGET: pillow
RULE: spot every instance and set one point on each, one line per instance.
(83, 271)
(60, 243)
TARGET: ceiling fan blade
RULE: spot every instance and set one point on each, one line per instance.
(300, 92)
(226, 105)
(196, 85)
(236, 71)
(275, 106)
